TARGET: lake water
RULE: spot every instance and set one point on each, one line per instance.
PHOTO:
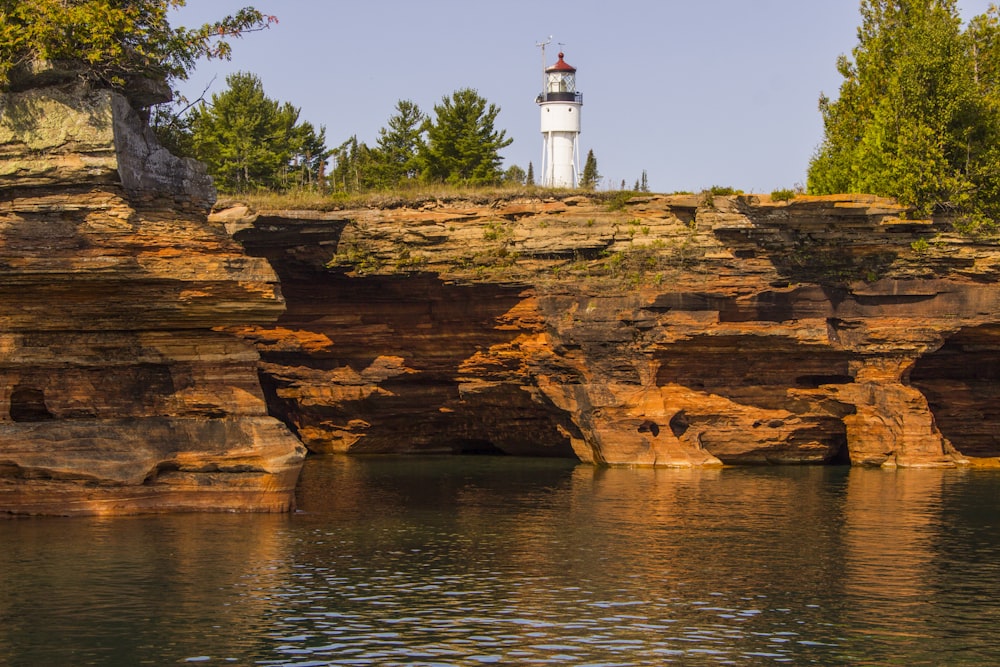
(476, 560)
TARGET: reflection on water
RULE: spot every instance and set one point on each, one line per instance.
(445, 561)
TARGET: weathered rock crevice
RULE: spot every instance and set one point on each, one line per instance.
(671, 331)
(120, 391)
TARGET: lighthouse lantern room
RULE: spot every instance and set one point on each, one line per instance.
(560, 107)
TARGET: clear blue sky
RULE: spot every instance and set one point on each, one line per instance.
(696, 92)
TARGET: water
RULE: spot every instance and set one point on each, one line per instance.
(471, 561)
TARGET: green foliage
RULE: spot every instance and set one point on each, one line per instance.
(515, 175)
(462, 146)
(356, 167)
(530, 178)
(620, 199)
(250, 141)
(920, 246)
(784, 194)
(708, 196)
(722, 191)
(590, 177)
(116, 40)
(395, 159)
(496, 231)
(357, 257)
(918, 115)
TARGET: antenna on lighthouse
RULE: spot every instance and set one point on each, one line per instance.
(542, 45)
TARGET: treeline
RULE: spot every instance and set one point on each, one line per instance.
(250, 141)
(918, 115)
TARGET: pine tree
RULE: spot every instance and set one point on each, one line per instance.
(644, 185)
(248, 140)
(309, 155)
(590, 177)
(399, 144)
(530, 179)
(462, 145)
(356, 167)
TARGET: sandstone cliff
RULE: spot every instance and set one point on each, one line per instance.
(120, 391)
(662, 330)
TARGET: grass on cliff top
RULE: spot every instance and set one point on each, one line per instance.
(409, 197)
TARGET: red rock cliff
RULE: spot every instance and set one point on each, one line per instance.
(120, 391)
(669, 331)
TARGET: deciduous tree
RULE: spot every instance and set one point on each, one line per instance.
(115, 39)
(913, 119)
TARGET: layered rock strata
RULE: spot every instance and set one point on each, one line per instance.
(120, 391)
(657, 330)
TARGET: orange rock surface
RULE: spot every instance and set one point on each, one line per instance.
(662, 331)
(120, 390)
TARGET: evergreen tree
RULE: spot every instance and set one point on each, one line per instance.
(462, 145)
(530, 178)
(644, 185)
(309, 155)
(913, 118)
(399, 143)
(356, 167)
(248, 140)
(590, 177)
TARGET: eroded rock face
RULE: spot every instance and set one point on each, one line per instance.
(120, 392)
(672, 331)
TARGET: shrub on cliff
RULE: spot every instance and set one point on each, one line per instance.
(115, 40)
(918, 115)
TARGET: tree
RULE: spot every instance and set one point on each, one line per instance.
(514, 175)
(355, 168)
(984, 39)
(116, 40)
(309, 155)
(590, 177)
(462, 145)
(644, 184)
(530, 178)
(399, 144)
(248, 140)
(911, 120)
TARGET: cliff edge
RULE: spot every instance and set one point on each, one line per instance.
(655, 330)
(120, 391)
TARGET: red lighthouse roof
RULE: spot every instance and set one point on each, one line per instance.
(561, 65)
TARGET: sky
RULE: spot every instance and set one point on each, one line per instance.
(698, 93)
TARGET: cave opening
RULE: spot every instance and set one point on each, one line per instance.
(27, 404)
(961, 382)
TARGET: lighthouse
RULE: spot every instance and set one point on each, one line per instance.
(560, 106)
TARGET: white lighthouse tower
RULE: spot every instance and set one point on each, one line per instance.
(560, 104)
